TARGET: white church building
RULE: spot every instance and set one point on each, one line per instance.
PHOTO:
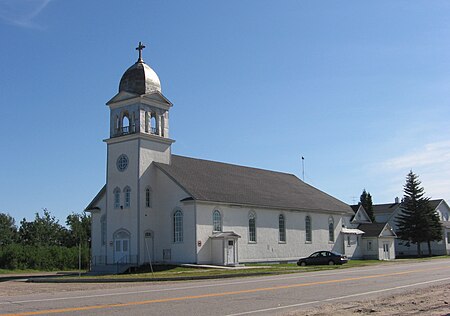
(163, 208)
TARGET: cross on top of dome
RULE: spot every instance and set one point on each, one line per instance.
(140, 78)
(140, 48)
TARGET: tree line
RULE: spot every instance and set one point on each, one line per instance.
(44, 243)
(417, 222)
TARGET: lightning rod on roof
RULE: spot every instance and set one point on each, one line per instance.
(303, 168)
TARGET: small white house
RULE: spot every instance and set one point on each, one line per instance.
(160, 207)
(372, 240)
(388, 213)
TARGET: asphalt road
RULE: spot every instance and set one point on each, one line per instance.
(246, 296)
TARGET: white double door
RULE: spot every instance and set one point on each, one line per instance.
(122, 250)
(386, 253)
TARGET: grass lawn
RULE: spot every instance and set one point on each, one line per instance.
(19, 271)
(169, 271)
(173, 271)
(32, 271)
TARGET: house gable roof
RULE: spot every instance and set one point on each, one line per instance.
(360, 215)
(391, 208)
(435, 203)
(377, 230)
(220, 182)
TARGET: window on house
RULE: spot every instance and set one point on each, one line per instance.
(252, 227)
(331, 229)
(448, 238)
(281, 228)
(348, 240)
(178, 226)
(308, 230)
(116, 198)
(369, 245)
(148, 197)
(217, 221)
(127, 193)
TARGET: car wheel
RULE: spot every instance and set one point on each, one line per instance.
(331, 263)
(303, 263)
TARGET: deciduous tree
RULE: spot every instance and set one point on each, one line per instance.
(44, 230)
(8, 229)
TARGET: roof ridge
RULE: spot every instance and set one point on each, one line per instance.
(236, 165)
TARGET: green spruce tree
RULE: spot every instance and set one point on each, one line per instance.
(417, 222)
(366, 202)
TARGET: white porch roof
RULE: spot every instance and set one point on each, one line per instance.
(353, 231)
(225, 235)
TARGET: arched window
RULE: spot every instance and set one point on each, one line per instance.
(178, 226)
(103, 229)
(252, 227)
(116, 198)
(125, 124)
(308, 230)
(127, 197)
(281, 228)
(148, 197)
(331, 229)
(217, 221)
(153, 127)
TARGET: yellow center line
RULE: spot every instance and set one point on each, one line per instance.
(193, 297)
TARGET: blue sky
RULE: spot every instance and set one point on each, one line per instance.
(360, 89)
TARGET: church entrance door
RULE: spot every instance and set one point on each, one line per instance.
(122, 250)
(122, 247)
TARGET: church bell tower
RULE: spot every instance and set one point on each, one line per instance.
(139, 136)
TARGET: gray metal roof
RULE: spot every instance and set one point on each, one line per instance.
(391, 207)
(372, 229)
(385, 208)
(212, 181)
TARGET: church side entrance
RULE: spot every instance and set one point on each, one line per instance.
(224, 250)
(231, 253)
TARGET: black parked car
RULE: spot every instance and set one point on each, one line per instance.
(323, 257)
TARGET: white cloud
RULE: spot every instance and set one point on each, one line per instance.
(431, 162)
(22, 12)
